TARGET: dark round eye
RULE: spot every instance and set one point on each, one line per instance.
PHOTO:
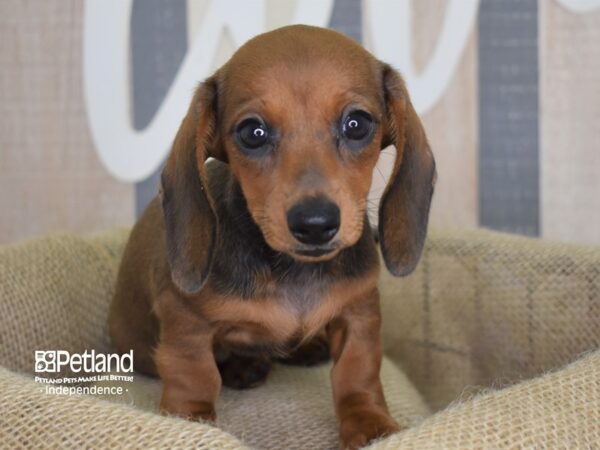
(357, 125)
(252, 134)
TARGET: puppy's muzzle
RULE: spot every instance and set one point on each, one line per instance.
(314, 222)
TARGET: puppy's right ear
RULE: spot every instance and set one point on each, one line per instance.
(189, 215)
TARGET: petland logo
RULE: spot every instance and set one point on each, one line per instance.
(101, 374)
(53, 361)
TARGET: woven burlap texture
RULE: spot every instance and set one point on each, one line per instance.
(483, 333)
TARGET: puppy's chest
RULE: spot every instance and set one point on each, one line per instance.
(267, 298)
(277, 316)
(302, 299)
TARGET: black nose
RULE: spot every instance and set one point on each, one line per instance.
(314, 221)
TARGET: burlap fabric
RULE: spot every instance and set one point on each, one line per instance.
(491, 332)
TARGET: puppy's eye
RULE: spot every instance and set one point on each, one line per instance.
(357, 125)
(252, 134)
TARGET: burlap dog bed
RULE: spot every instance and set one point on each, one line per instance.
(491, 343)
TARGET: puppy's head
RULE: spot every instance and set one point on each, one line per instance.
(301, 115)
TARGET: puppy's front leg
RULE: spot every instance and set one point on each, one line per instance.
(186, 365)
(356, 349)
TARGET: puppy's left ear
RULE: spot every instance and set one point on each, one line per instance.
(404, 207)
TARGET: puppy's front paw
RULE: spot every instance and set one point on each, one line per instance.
(191, 410)
(359, 428)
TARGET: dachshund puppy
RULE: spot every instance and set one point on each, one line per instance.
(266, 251)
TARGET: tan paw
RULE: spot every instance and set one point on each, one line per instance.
(360, 428)
(197, 411)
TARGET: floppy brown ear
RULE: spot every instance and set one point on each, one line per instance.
(190, 220)
(404, 207)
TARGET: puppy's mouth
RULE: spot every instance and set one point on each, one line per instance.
(315, 253)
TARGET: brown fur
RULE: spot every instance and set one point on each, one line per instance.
(211, 285)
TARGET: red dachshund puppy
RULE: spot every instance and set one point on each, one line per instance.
(266, 251)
